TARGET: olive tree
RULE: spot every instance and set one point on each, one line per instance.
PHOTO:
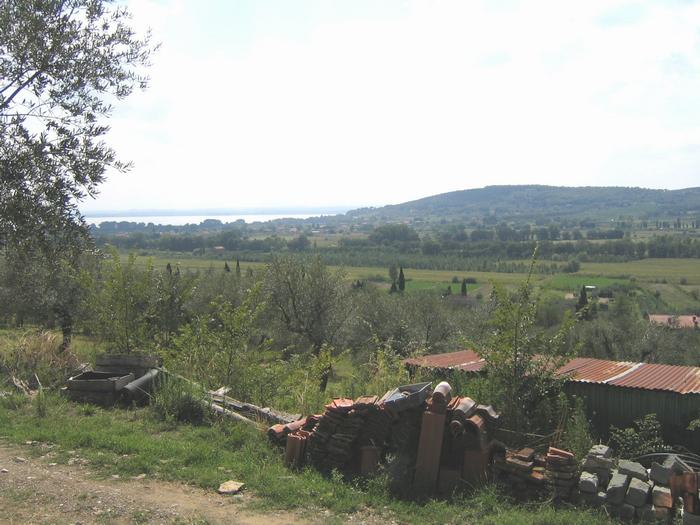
(310, 300)
(62, 65)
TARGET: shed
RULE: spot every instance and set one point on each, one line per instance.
(614, 392)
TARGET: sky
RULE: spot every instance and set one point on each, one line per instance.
(266, 104)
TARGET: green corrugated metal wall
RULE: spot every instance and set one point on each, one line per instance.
(610, 405)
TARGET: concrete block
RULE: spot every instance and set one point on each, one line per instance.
(626, 512)
(588, 483)
(598, 462)
(633, 469)
(617, 488)
(660, 473)
(661, 497)
(602, 451)
(597, 499)
(637, 492)
(645, 513)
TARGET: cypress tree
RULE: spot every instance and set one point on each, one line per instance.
(402, 280)
(582, 299)
(238, 268)
(464, 288)
(226, 268)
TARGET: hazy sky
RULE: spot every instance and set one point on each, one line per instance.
(329, 103)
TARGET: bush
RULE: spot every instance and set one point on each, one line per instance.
(577, 430)
(643, 438)
(178, 400)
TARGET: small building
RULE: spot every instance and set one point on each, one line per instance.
(614, 392)
(675, 321)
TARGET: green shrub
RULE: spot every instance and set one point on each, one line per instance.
(644, 437)
(577, 430)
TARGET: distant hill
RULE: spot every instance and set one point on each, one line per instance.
(534, 202)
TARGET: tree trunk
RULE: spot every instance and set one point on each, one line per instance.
(325, 376)
(66, 331)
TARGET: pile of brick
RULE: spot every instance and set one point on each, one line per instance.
(561, 473)
(630, 491)
(455, 442)
(330, 441)
(522, 470)
(349, 435)
(446, 439)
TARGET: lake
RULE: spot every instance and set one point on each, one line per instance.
(179, 220)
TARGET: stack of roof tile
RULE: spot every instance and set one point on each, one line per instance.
(523, 470)
(561, 473)
(341, 443)
(327, 425)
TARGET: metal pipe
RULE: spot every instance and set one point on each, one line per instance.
(139, 389)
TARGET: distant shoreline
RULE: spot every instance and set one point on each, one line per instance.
(197, 218)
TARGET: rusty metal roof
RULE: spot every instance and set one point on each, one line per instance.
(646, 376)
(589, 370)
(675, 321)
(467, 360)
(681, 379)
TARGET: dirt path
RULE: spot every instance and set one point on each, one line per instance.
(38, 491)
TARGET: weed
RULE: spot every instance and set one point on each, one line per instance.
(13, 401)
(40, 404)
(177, 400)
(37, 358)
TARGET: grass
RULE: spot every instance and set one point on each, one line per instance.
(648, 270)
(574, 282)
(133, 442)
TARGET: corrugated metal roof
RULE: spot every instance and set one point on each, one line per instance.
(589, 370)
(646, 376)
(681, 379)
(464, 359)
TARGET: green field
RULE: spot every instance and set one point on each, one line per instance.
(656, 275)
(648, 270)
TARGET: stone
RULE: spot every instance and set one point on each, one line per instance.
(20, 459)
(626, 511)
(597, 462)
(675, 464)
(637, 492)
(660, 473)
(4, 471)
(661, 497)
(617, 488)
(588, 483)
(596, 499)
(633, 469)
(230, 487)
(602, 451)
(691, 519)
